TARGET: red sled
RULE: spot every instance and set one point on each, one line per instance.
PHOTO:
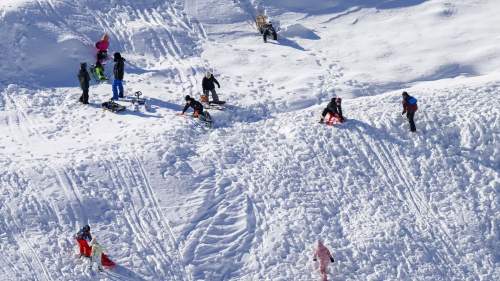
(334, 119)
(85, 250)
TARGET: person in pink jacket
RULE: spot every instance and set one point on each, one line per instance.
(102, 48)
(325, 258)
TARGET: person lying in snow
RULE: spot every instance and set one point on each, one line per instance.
(325, 258)
(334, 108)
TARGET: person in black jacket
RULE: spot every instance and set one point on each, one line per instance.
(268, 30)
(84, 78)
(334, 107)
(196, 105)
(208, 85)
(118, 72)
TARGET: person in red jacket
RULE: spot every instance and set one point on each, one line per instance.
(102, 48)
(325, 258)
(410, 107)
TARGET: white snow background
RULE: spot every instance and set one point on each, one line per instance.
(247, 200)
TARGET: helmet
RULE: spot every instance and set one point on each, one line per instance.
(86, 228)
(187, 98)
(208, 74)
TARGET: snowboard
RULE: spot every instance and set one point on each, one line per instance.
(220, 105)
(112, 106)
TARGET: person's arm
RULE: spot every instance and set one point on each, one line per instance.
(216, 82)
(185, 108)
(405, 105)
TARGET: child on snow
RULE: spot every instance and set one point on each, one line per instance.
(208, 85)
(325, 258)
(96, 254)
(410, 107)
(84, 79)
(334, 108)
(82, 238)
(102, 48)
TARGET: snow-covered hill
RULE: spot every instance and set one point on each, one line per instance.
(247, 200)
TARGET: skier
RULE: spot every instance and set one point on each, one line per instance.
(83, 237)
(410, 107)
(268, 30)
(118, 72)
(334, 107)
(97, 254)
(325, 258)
(102, 48)
(84, 78)
(209, 86)
(196, 105)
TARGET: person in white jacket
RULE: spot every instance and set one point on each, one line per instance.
(96, 254)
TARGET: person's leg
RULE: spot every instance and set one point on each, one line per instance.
(86, 96)
(120, 87)
(98, 259)
(322, 270)
(115, 90)
(215, 97)
(410, 116)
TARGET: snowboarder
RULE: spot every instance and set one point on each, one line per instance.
(84, 78)
(99, 71)
(325, 258)
(102, 48)
(409, 107)
(82, 238)
(209, 86)
(118, 72)
(196, 105)
(334, 108)
(268, 30)
(96, 255)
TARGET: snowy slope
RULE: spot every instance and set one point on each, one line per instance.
(247, 200)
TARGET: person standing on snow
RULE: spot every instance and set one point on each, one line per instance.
(102, 48)
(83, 237)
(325, 258)
(410, 107)
(118, 72)
(96, 256)
(84, 78)
(209, 86)
(334, 108)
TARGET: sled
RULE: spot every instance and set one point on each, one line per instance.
(112, 106)
(334, 119)
(137, 101)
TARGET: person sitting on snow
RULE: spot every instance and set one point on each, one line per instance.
(334, 108)
(102, 48)
(96, 254)
(325, 258)
(196, 105)
(208, 85)
(83, 237)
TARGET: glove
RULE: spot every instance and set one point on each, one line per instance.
(331, 259)
(403, 113)
(315, 259)
(218, 86)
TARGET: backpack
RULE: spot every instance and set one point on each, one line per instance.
(412, 101)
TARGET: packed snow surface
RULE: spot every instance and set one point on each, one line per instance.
(247, 200)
